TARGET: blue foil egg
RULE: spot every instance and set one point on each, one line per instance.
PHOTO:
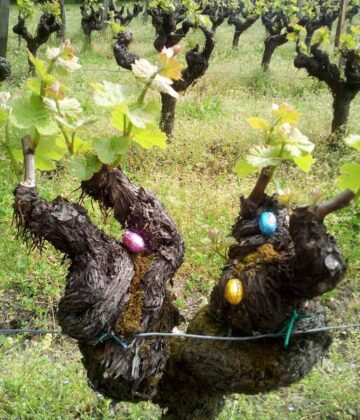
(267, 223)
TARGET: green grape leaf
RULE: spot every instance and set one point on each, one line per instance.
(286, 114)
(49, 149)
(66, 67)
(117, 119)
(258, 123)
(261, 156)
(347, 41)
(44, 163)
(304, 162)
(115, 27)
(203, 20)
(60, 141)
(142, 115)
(297, 27)
(292, 36)
(16, 135)
(80, 146)
(350, 177)
(84, 167)
(66, 106)
(74, 123)
(243, 169)
(52, 148)
(18, 154)
(296, 143)
(353, 141)
(108, 95)
(34, 85)
(355, 30)
(109, 149)
(30, 112)
(39, 65)
(41, 70)
(303, 47)
(321, 36)
(149, 137)
(170, 67)
(144, 70)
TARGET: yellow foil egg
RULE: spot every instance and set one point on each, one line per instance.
(234, 291)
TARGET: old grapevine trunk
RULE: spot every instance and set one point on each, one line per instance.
(200, 373)
(241, 24)
(276, 23)
(47, 25)
(343, 97)
(108, 289)
(91, 20)
(5, 69)
(168, 107)
(137, 8)
(197, 64)
(343, 89)
(111, 291)
(270, 45)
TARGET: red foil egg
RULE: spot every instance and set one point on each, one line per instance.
(133, 241)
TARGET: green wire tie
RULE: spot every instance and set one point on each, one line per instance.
(113, 336)
(289, 327)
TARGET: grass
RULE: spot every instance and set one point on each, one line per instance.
(43, 377)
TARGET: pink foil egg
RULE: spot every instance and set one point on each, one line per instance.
(133, 241)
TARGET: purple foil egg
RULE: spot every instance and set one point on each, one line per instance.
(133, 241)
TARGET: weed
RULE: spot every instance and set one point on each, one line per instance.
(204, 110)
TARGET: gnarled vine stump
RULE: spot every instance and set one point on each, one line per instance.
(111, 291)
(242, 21)
(132, 11)
(275, 23)
(344, 88)
(91, 20)
(48, 24)
(5, 69)
(217, 15)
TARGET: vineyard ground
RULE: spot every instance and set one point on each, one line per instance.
(42, 378)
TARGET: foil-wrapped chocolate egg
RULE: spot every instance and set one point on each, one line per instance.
(234, 291)
(267, 223)
(133, 241)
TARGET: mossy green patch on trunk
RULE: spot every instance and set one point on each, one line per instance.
(129, 322)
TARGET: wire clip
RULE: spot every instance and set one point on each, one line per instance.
(113, 336)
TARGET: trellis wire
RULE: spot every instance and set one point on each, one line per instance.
(10, 331)
(208, 73)
(212, 73)
(249, 338)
